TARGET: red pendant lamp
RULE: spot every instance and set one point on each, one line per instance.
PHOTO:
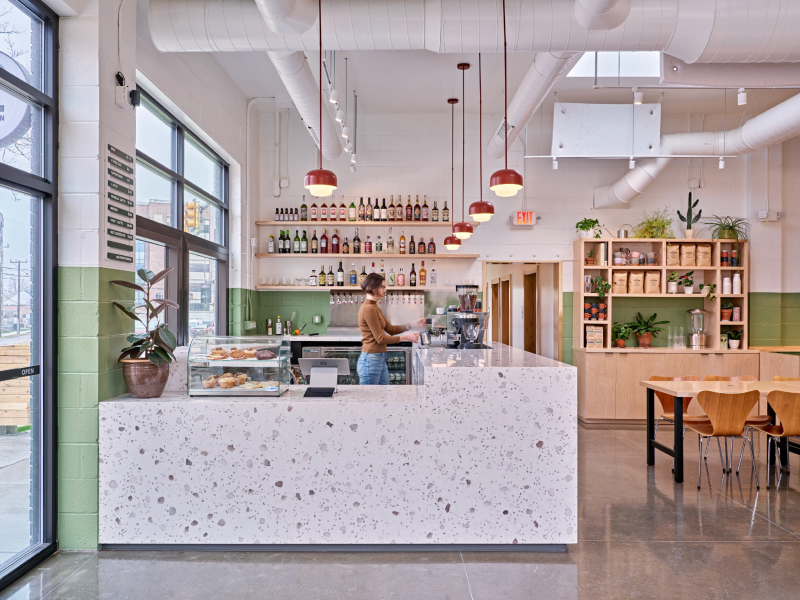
(320, 182)
(505, 182)
(451, 242)
(480, 211)
(462, 230)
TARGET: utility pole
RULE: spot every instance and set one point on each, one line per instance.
(19, 264)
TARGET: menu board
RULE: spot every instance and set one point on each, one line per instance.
(120, 204)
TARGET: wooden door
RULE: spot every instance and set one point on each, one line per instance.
(505, 311)
(530, 312)
(495, 309)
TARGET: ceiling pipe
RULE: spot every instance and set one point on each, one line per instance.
(288, 17)
(302, 87)
(773, 126)
(601, 15)
(706, 31)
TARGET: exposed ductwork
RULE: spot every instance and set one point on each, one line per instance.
(288, 17)
(601, 15)
(770, 127)
(299, 81)
(547, 67)
(692, 30)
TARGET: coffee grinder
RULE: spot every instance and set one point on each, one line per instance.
(464, 325)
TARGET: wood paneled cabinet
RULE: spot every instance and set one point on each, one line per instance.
(608, 382)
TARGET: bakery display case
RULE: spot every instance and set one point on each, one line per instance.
(238, 366)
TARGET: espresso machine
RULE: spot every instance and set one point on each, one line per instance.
(461, 326)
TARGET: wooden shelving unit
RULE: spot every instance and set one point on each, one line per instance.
(357, 257)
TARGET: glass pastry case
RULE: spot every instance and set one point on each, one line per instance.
(238, 366)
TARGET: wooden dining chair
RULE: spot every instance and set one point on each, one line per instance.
(668, 402)
(787, 408)
(727, 414)
(779, 378)
(729, 378)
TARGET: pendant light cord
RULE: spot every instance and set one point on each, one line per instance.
(480, 129)
(505, 79)
(320, 83)
(452, 163)
(463, 137)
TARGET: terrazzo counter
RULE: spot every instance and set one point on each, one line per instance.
(482, 454)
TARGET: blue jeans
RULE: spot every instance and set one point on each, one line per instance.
(372, 369)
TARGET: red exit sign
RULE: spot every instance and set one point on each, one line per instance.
(525, 217)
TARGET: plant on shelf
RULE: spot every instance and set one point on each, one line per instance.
(729, 228)
(590, 257)
(725, 311)
(655, 225)
(145, 363)
(601, 286)
(687, 282)
(734, 338)
(711, 290)
(646, 329)
(672, 282)
(588, 228)
(621, 332)
(689, 219)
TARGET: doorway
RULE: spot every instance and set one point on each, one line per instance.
(505, 311)
(530, 312)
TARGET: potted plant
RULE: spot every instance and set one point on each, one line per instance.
(734, 337)
(587, 228)
(145, 363)
(601, 286)
(621, 332)
(689, 219)
(656, 225)
(729, 228)
(672, 283)
(590, 257)
(687, 282)
(711, 290)
(726, 309)
(646, 329)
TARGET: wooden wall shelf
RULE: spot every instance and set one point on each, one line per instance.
(358, 257)
(319, 224)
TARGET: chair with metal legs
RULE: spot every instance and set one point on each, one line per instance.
(668, 404)
(787, 408)
(727, 414)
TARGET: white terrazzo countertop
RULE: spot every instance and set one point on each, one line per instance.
(500, 356)
(344, 393)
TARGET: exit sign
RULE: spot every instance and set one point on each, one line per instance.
(525, 217)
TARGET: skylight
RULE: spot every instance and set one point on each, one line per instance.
(618, 64)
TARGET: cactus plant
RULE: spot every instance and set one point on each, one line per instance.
(689, 219)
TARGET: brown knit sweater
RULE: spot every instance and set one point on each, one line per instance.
(374, 328)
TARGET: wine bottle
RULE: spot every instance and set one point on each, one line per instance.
(409, 210)
(346, 247)
(330, 276)
(435, 213)
(353, 274)
(280, 242)
(323, 280)
(315, 245)
(323, 211)
(425, 208)
(402, 242)
(363, 275)
(304, 243)
(390, 214)
(313, 211)
(376, 211)
(296, 245)
(368, 246)
(412, 277)
(361, 210)
(368, 210)
(271, 245)
(340, 276)
(335, 242)
(421, 246)
(304, 210)
(390, 243)
(353, 211)
(277, 214)
(384, 211)
(417, 211)
(356, 243)
(445, 213)
(423, 275)
(412, 247)
(343, 210)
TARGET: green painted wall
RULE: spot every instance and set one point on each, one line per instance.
(269, 305)
(774, 319)
(91, 332)
(667, 309)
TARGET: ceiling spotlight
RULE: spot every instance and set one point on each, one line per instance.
(353, 168)
(340, 115)
(631, 163)
(346, 132)
(554, 164)
(353, 158)
(742, 97)
(334, 96)
(721, 162)
(638, 96)
(349, 147)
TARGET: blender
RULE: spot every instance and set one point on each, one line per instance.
(696, 321)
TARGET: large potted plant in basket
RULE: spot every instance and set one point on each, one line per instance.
(646, 329)
(145, 363)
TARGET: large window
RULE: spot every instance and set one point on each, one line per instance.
(28, 162)
(182, 220)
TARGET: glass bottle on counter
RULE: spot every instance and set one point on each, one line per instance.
(379, 246)
(304, 210)
(335, 242)
(401, 278)
(421, 246)
(346, 247)
(435, 213)
(352, 213)
(367, 246)
(376, 211)
(390, 280)
(322, 279)
(412, 277)
(434, 277)
(353, 274)
(323, 211)
(390, 243)
(431, 247)
(402, 242)
(356, 243)
(390, 213)
(445, 213)
(425, 208)
(323, 243)
(313, 279)
(384, 211)
(361, 210)
(417, 210)
(296, 244)
(330, 276)
(278, 326)
(340, 276)
(269, 326)
(314, 243)
(363, 275)
(412, 247)
(271, 245)
(313, 211)
(304, 243)
(423, 275)
(409, 210)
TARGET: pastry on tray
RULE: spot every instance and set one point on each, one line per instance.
(237, 354)
(242, 377)
(209, 383)
(217, 356)
(265, 354)
(227, 382)
(218, 350)
(252, 385)
(250, 353)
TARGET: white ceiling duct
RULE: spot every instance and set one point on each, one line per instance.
(288, 17)
(299, 81)
(770, 127)
(692, 30)
(602, 15)
(547, 67)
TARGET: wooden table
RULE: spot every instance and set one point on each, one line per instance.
(690, 389)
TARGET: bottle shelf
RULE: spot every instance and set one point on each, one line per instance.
(346, 288)
(362, 256)
(326, 224)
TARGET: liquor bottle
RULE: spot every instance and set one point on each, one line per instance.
(401, 278)
(391, 278)
(368, 210)
(425, 208)
(323, 243)
(390, 243)
(435, 213)
(409, 210)
(323, 280)
(417, 210)
(379, 246)
(412, 247)
(353, 274)
(313, 211)
(367, 246)
(304, 243)
(421, 246)
(445, 213)
(434, 276)
(423, 275)
(361, 210)
(382, 272)
(384, 211)
(313, 278)
(340, 276)
(277, 214)
(269, 326)
(412, 277)
(330, 276)
(345, 247)
(402, 242)
(296, 245)
(431, 247)
(323, 211)
(335, 242)
(390, 214)
(304, 210)
(315, 244)
(278, 326)
(356, 243)
(376, 211)
(363, 275)
(271, 245)
(343, 210)
(352, 212)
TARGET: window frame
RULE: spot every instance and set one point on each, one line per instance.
(178, 242)
(44, 187)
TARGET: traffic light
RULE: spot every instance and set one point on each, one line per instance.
(190, 215)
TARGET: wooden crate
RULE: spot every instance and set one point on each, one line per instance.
(15, 395)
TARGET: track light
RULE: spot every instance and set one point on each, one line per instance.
(340, 116)
(631, 164)
(346, 132)
(742, 97)
(721, 162)
(554, 164)
(638, 97)
(353, 168)
(353, 158)
(334, 96)
(349, 147)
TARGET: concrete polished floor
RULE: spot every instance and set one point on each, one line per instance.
(641, 536)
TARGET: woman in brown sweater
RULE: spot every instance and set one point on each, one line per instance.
(377, 332)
